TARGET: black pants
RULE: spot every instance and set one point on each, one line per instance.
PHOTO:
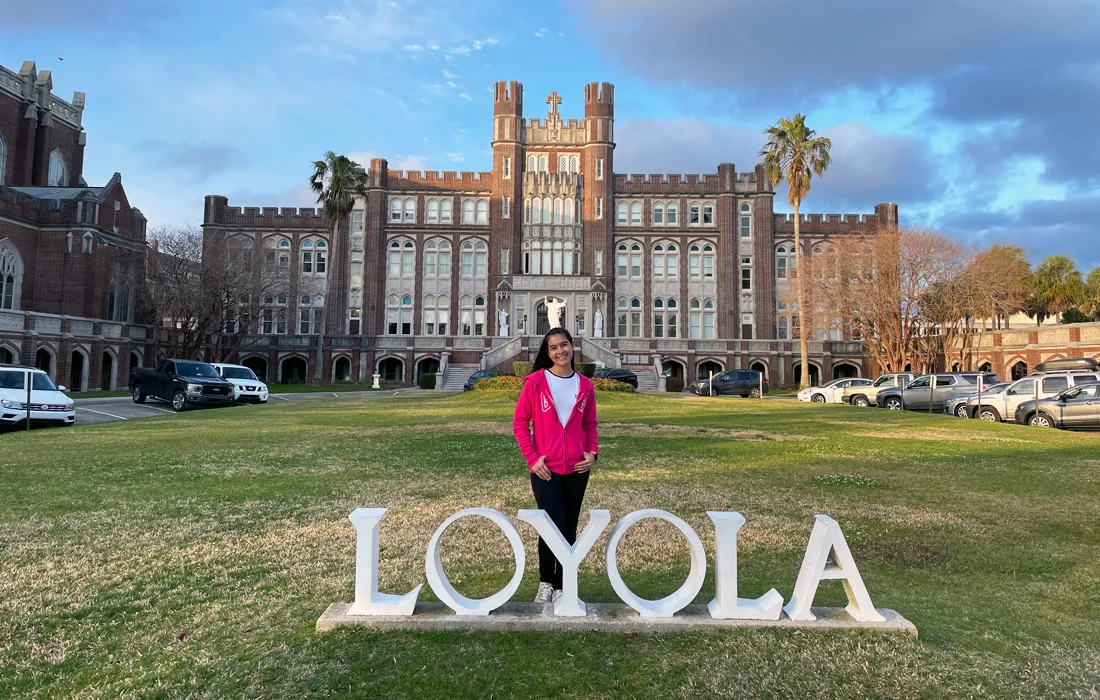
(561, 499)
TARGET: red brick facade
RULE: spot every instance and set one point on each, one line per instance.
(76, 253)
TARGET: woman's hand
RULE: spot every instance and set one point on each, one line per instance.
(541, 470)
(589, 460)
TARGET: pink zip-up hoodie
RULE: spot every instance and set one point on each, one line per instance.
(562, 447)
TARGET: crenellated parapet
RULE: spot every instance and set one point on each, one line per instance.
(218, 212)
(35, 87)
(446, 180)
(666, 183)
(886, 214)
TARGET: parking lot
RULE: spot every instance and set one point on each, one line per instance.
(108, 410)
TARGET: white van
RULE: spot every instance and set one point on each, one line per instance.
(246, 385)
(49, 404)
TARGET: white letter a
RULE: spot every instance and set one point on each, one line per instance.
(827, 538)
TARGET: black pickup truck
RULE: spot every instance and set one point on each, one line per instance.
(181, 382)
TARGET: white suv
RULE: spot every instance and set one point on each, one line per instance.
(246, 385)
(1002, 406)
(49, 404)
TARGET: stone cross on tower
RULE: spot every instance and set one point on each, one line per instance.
(553, 99)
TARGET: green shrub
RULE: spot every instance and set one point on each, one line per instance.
(674, 384)
(505, 382)
(427, 381)
(522, 369)
(585, 368)
(611, 385)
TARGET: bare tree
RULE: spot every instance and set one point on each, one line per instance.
(876, 286)
(207, 294)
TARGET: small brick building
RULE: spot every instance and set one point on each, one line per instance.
(72, 257)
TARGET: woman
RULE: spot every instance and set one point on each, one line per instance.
(561, 404)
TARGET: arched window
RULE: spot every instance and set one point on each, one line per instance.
(437, 259)
(658, 261)
(572, 164)
(3, 158)
(708, 261)
(547, 210)
(557, 210)
(708, 214)
(410, 211)
(467, 211)
(59, 172)
(621, 213)
(471, 315)
(781, 328)
(635, 214)
(482, 211)
(445, 207)
(670, 214)
(481, 259)
(395, 210)
(570, 210)
(542, 164)
(536, 211)
(694, 212)
(658, 214)
(11, 275)
(563, 164)
(664, 318)
(527, 211)
(532, 163)
(781, 263)
(436, 312)
(433, 211)
(746, 220)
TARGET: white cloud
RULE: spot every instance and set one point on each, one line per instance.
(448, 74)
(456, 157)
(337, 18)
(400, 162)
(464, 96)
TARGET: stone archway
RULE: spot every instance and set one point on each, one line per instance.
(1019, 370)
(759, 367)
(705, 368)
(78, 372)
(7, 357)
(293, 370)
(843, 370)
(135, 361)
(341, 369)
(392, 369)
(674, 368)
(427, 365)
(43, 360)
(258, 365)
(815, 374)
(985, 367)
(107, 372)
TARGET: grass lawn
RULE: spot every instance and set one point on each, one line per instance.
(191, 556)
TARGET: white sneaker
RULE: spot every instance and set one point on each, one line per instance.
(545, 594)
(557, 594)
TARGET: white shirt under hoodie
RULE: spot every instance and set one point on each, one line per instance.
(564, 390)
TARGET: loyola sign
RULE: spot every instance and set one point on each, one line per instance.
(827, 558)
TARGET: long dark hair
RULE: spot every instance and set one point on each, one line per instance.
(542, 359)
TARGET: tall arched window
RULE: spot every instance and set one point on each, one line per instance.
(3, 158)
(482, 209)
(658, 214)
(527, 211)
(432, 209)
(11, 275)
(410, 211)
(746, 220)
(781, 263)
(59, 172)
(557, 210)
(532, 163)
(445, 207)
(467, 211)
(563, 164)
(395, 210)
(542, 164)
(436, 312)
(570, 210)
(628, 313)
(547, 210)
(572, 164)
(621, 213)
(664, 318)
(670, 214)
(635, 214)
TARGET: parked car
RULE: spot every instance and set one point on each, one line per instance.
(1002, 406)
(49, 404)
(1070, 364)
(922, 395)
(959, 405)
(863, 396)
(477, 376)
(181, 383)
(831, 392)
(1077, 407)
(733, 382)
(618, 374)
(247, 387)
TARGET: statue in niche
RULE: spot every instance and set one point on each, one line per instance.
(502, 322)
(597, 325)
(554, 311)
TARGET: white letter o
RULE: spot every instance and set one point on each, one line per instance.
(665, 607)
(446, 592)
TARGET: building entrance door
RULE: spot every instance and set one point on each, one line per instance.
(542, 321)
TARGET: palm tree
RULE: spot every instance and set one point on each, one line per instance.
(795, 153)
(1057, 284)
(338, 181)
(1092, 283)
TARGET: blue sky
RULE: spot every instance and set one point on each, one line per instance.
(976, 117)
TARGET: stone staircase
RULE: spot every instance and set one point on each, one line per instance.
(647, 378)
(457, 375)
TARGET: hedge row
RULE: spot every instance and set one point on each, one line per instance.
(427, 381)
(510, 383)
(674, 384)
(522, 369)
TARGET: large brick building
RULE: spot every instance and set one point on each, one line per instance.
(71, 256)
(665, 274)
